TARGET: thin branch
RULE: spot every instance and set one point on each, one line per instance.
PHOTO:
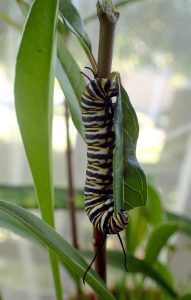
(107, 18)
(70, 189)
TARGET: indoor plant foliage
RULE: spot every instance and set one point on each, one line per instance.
(41, 58)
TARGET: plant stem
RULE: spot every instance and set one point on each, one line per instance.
(70, 190)
(108, 19)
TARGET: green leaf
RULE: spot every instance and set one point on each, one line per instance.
(133, 187)
(158, 240)
(7, 222)
(185, 297)
(117, 158)
(74, 22)
(164, 272)
(46, 234)
(154, 206)
(34, 82)
(136, 230)
(72, 84)
(183, 222)
(135, 265)
(33, 97)
(25, 196)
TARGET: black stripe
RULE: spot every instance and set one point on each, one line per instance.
(98, 192)
(92, 104)
(103, 156)
(98, 90)
(100, 176)
(107, 85)
(98, 211)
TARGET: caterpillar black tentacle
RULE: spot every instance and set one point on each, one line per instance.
(98, 251)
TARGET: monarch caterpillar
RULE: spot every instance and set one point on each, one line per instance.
(97, 107)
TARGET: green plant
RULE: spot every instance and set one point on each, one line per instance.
(35, 71)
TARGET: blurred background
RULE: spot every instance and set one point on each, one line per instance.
(152, 53)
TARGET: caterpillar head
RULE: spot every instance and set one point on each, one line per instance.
(101, 90)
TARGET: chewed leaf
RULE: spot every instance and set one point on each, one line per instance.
(129, 180)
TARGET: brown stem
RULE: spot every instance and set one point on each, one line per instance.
(108, 19)
(70, 190)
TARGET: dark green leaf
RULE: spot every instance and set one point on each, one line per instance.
(117, 158)
(74, 22)
(46, 234)
(72, 84)
(133, 187)
(135, 265)
(185, 297)
(158, 240)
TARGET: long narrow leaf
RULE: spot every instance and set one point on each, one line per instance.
(183, 222)
(72, 84)
(135, 265)
(24, 196)
(158, 239)
(74, 22)
(163, 232)
(33, 97)
(46, 234)
(35, 68)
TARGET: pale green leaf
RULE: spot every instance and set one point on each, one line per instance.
(34, 80)
(46, 234)
(74, 22)
(72, 84)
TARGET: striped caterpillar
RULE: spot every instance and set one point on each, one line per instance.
(97, 107)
